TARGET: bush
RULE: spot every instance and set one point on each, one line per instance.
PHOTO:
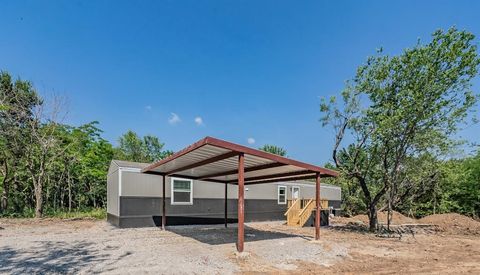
(96, 213)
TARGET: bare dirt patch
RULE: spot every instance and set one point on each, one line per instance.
(450, 223)
(453, 223)
(418, 253)
(89, 246)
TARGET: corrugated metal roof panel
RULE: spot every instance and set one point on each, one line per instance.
(204, 152)
(219, 160)
(269, 171)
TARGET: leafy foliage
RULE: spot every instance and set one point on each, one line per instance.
(146, 149)
(51, 168)
(274, 150)
(459, 187)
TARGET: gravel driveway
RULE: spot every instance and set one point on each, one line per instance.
(88, 246)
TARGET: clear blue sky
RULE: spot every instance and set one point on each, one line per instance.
(248, 69)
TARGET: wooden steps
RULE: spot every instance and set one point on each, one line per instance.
(300, 210)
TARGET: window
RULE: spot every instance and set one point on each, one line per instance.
(182, 191)
(295, 192)
(282, 195)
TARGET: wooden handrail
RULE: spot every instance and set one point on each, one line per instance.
(305, 213)
(298, 215)
(305, 207)
(291, 206)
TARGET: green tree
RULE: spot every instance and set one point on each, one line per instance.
(43, 149)
(47, 166)
(460, 186)
(153, 148)
(84, 164)
(18, 100)
(134, 148)
(274, 150)
(352, 203)
(130, 147)
(400, 107)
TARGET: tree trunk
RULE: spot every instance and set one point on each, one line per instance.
(55, 191)
(47, 191)
(5, 191)
(69, 193)
(372, 216)
(435, 198)
(38, 186)
(389, 213)
(16, 198)
(38, 199)
(62, 197)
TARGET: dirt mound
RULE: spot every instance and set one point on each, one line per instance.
(453, 223)
(397, 218)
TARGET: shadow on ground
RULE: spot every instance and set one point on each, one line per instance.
(53, 257)
(220, 235)
(351, 227)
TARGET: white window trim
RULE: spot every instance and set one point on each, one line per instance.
(299, 189)
(172, 202)
(278, 194)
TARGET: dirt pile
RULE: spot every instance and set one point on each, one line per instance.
(397, 218)
(453, 223)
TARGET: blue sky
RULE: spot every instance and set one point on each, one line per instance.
(244, 69)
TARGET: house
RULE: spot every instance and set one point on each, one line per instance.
(134, 198)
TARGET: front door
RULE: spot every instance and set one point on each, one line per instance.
(295, 192)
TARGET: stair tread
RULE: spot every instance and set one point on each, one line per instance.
(299, 216)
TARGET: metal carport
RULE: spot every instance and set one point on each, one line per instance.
(216, 160)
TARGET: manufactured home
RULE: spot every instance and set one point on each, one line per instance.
(134, 198)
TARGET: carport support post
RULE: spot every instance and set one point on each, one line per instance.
(226, 197)
(241, 210)
(317, 207)
(164, 217)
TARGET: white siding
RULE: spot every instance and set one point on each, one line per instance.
(136, 184)
(112, 192)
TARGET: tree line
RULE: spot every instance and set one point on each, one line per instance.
(446, 186)
(49, 166)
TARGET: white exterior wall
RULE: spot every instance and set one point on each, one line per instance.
(307, 191)
(112, 191)
(136, 184)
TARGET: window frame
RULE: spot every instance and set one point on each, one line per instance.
(172, 197)
(285, 194)
(298, 188)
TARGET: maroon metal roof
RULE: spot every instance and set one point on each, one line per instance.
(216, 160)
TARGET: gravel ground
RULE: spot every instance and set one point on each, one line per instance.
(90, 246)
(55, 246)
